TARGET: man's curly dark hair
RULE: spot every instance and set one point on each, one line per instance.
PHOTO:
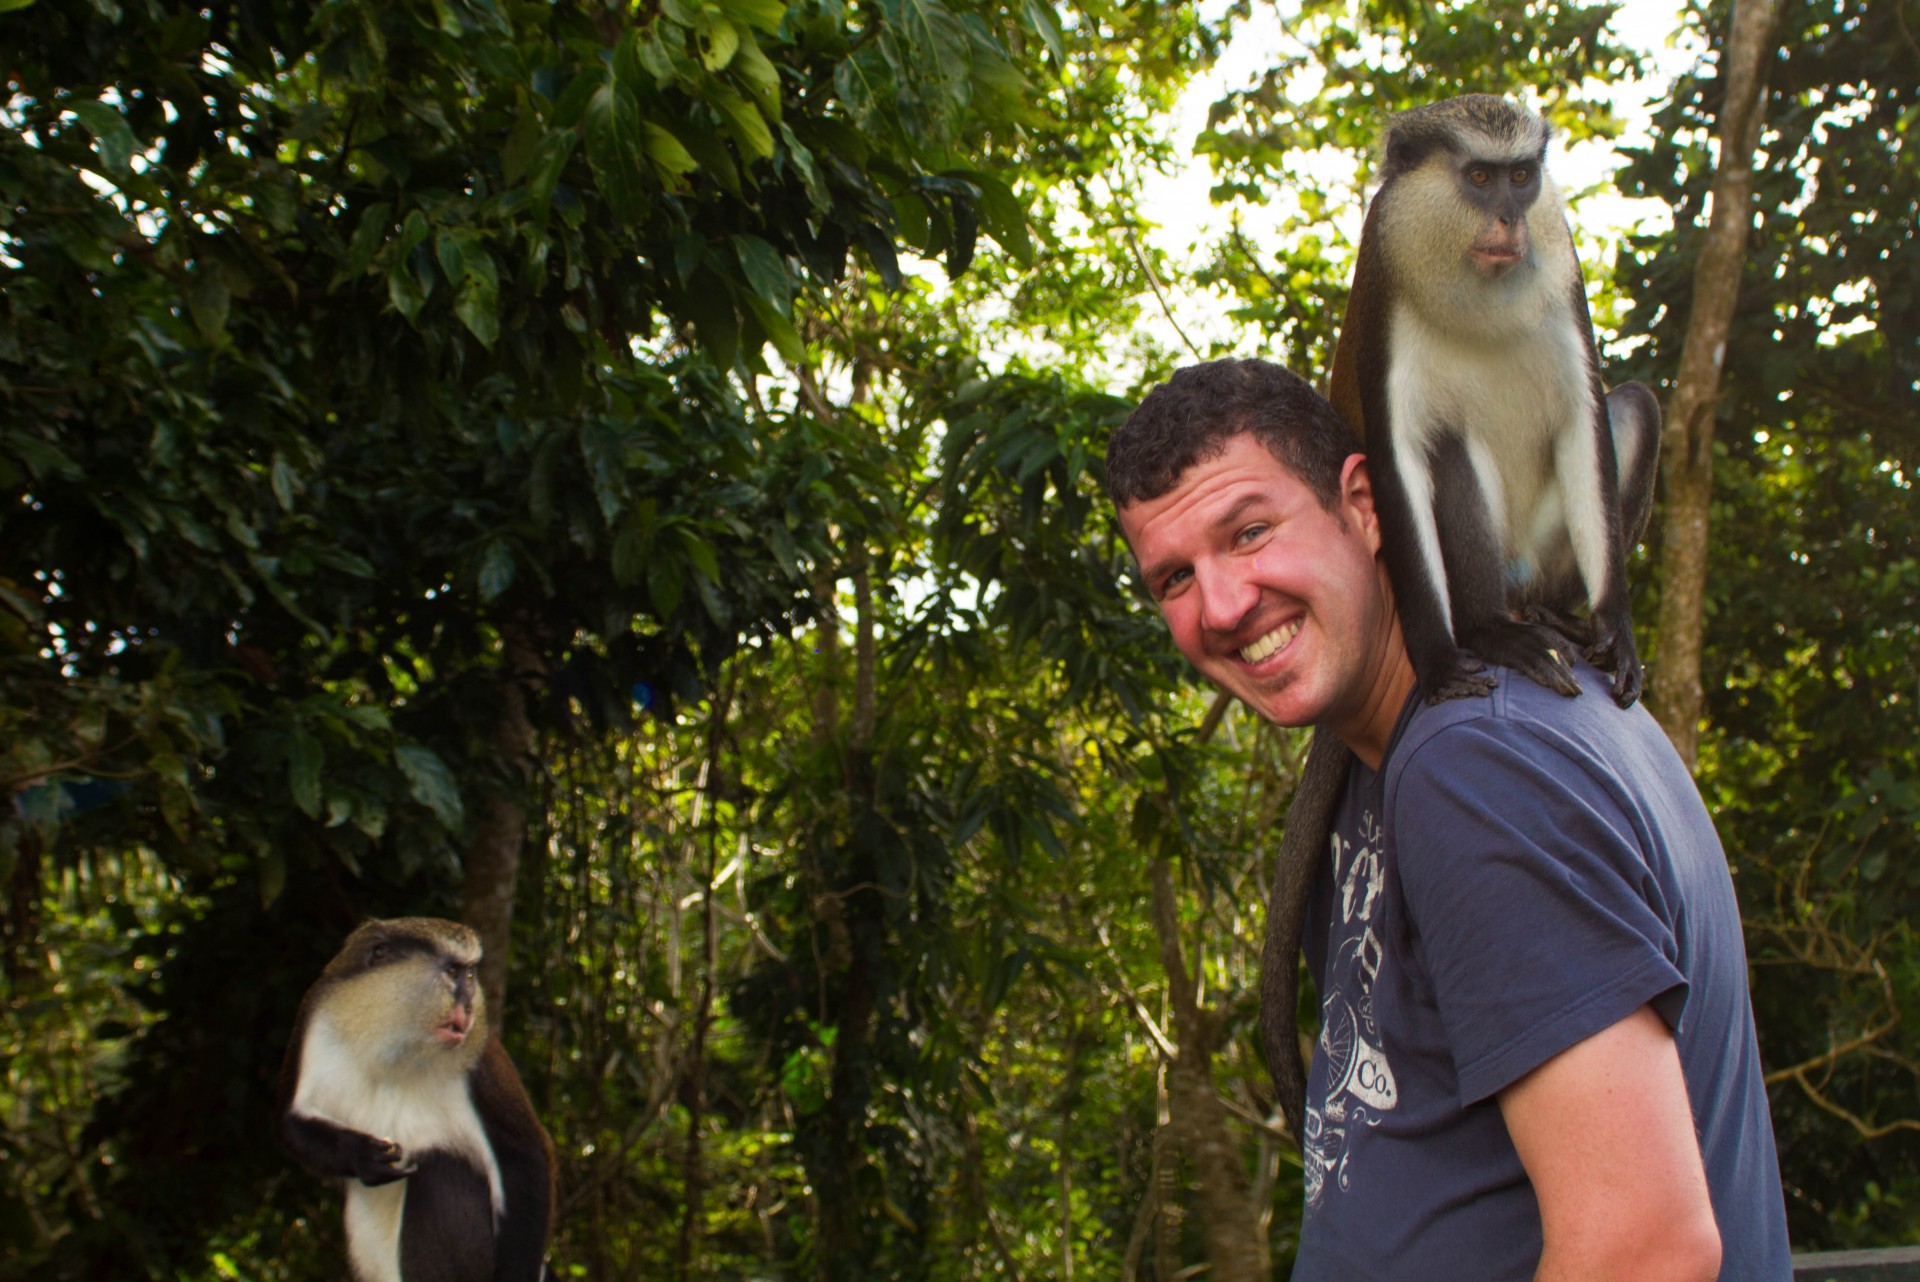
(1190, 418)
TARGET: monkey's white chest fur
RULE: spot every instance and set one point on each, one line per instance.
(1523, 403)
(420, 1110)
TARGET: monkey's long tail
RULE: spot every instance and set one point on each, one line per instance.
(1309, 826)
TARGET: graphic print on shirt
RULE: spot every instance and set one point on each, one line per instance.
(1349, 1067)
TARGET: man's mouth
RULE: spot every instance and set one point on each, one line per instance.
(1271, 643)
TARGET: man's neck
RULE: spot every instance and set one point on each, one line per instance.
(1370, 729)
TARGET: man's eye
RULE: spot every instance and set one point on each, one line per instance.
(1249, 534)
(1171, 582)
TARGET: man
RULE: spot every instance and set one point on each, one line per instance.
(1537, 1055)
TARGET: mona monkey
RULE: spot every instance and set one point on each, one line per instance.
(1510, 484)
(394, 1085)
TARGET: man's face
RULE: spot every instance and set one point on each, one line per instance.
(1266, 592)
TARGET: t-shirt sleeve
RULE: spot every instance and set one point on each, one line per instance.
(1538, 921)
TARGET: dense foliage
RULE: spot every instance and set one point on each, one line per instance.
(633, 470)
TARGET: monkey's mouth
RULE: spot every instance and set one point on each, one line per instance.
(454, 1028)
(1272, 643)
(1495, 260)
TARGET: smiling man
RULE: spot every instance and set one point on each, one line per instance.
(1537, 1055)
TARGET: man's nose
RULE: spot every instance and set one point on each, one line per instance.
(1226, 596)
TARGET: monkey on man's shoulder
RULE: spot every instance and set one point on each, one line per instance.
(394, 1085)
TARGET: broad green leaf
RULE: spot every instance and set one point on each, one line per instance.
(721, 43)
(616, 150)
(367, 237)
(1001, 214)
(113, 138)
(666, 580)
(764, 14)
(304, 759)
(496, 569)
(209, 301)
(431, 783)
(751, 65)
(780, 330)
(700, 552)
(744, 122)
(765, 270)
(516, 158)
(668, 155)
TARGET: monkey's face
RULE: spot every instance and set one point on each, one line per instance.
(1269, 594)
(410, 992)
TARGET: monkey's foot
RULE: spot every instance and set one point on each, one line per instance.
(1578, 629)
(1458, 675)
(1613, 651)
(1531, 649)
(381, 1161)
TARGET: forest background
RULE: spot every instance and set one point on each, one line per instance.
(627, 475)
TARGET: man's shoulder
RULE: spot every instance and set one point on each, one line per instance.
(1528, 723)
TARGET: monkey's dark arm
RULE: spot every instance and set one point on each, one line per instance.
(332, 1152)
(1302, 845)
(525, 1158)
(337, 1153)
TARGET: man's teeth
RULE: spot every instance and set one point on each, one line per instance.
(1271, 642)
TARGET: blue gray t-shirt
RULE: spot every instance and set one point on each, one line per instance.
(1524, 871)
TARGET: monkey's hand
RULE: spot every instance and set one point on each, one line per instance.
(1613, 651)
(1459, 675)
(380, 1161)
(1531, 649)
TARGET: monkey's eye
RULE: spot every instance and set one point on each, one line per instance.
(1522, 176)
(1479, 175)
(379, 953)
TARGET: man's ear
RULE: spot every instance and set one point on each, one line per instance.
(1356, 498)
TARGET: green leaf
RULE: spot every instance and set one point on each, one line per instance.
(780, 331)
(616, 150)
(764, 14)
(700, 552)
(1002, 215)
(285, 482)
(1041, 18)
(304, 759)
(367, 237)
(209, 301)
(666, 152)
(517, 156)
(744, 122)
(722, 42)
(113, 139)
(8, 6)
(761, 78)
(765, 270)
(496, 569)
(432, 784)
(665, 582)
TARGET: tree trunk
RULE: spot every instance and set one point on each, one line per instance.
(1677, 699)
(1236, 1250)
(493, 860)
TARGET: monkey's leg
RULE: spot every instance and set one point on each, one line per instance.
(1303, 844)
(1410, 540)
(1590, 473)
(447, 1232)
(1475, 555)
(1633, 417)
